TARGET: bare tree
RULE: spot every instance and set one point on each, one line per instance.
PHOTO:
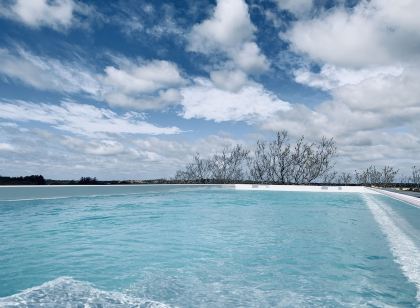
(388, 175)
(197, 171)
(229, 165)
(276, 162)
(279, 158)
(260, 164)
(319, 161)
(415, 176)
(280, 162)
(375, 176)
(361, 177)
(329, 177)
(345, 178)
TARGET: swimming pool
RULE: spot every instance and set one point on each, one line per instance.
(206, 246)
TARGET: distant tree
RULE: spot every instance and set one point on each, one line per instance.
(415, 176)
(388, 175)
(375, 176)
(276, 161)
(271, 161)
(345, 178)
(87, 180)
(228, 166)
(260, 164)
(329, 177)
(23, 180)
(360, 177)
(225, 167)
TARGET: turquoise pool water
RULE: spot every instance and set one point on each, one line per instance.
(161, 246)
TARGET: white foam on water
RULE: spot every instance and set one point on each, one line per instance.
(405, 251)
(67, 292)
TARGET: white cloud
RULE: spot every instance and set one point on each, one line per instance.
(370, 65)
(81, 118)
(341, 39)
(144, 78)
(142, 86)
(382, 93)
(373, 33)
(131, 84)
(330, 76)
(229, 31)
(57, 14)
(138, 20)
(46, 73)
(6, 147)
(102, 147)
(228, 28)
(250, 103)
(159, 100)
(110, 157)
(250, 59)
(229, 80)
(297, 7)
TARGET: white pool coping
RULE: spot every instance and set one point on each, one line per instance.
(331, 189)
(400, 197)
(306, 188)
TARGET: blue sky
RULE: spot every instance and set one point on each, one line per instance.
(132, 89)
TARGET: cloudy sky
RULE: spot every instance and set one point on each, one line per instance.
(132, 89)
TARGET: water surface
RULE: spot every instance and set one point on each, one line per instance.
(207, 247)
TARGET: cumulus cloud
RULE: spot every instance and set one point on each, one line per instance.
(331, 77)
(372, 33)
(229, 31)
(228, 28)
(147, 85)
(369, 65)
(81, 118)
(57, 14)
(229, 80)
(147, 77)
(250, 103)
(140, 85)
(382, 92)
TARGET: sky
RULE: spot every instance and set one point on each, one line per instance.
(133, 89)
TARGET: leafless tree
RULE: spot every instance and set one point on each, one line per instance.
(280, 159)
(375, 176)
(280, 162)
(329, 177)
(415, 176)
(319, 159)
(345, 178)
(388, 175)
(276, 161)
(228, 166)
(197, 171)
(260, 164)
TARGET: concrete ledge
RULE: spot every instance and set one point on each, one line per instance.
(400, 197)
(306, 188)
